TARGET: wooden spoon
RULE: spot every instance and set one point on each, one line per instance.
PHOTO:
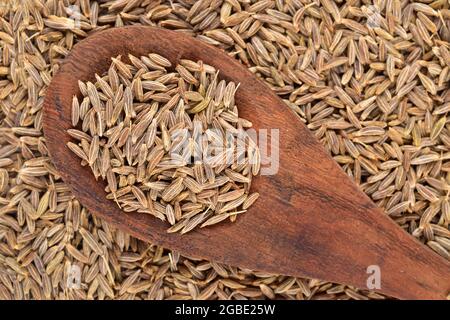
(311, 220)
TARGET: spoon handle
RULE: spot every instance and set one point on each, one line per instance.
(337, 231)
(405, 268)
(360, 245)
(342, 235)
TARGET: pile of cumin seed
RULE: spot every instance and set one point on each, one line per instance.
(169, 144)
(395, 147)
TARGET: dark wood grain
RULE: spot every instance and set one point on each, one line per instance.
(311, 220)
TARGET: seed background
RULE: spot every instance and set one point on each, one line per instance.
(369, 79)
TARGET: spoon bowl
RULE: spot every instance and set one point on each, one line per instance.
(310, 220)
